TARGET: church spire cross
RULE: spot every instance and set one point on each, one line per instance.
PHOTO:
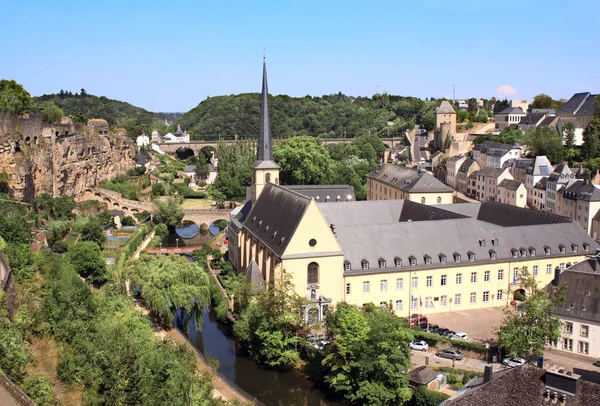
(263, 152)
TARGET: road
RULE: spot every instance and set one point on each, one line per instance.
(419, 357)
(420, 141)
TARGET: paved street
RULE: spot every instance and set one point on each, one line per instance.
(479, 324)
(418, 359)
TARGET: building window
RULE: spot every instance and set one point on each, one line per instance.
(413, 261)
(473, 277)
(585, 330)
(347, 266)
(382, 263)
(442, 259)
(493, 254)
(500, 274)
(414, 283)
(366, 287)
(457, 299)
(439, 199)
(427, 259)
(456, 257)
(428, 302)
(495, 242)
(584, 347)
(398, 262)
(567, 344)
(443, 280)
(516, 275)
(562, 267)
(486, 297)
(444, 301)
(398, 305)
(473, 298)
(562, 249)
(399, 284)
(413, 303)
(486, 276)
(535, 270)
(383, 285)
(459, 279)
(313, 273)
(423, 200)
(365, 264)
(548, 269)
(547, 250)
(574, 247)
(348, 289)
(532, 251)
(515, 253)
(429, 281)
(568, 328)
(471, 256)
(499, 294)
(586, 246)
(382, 305)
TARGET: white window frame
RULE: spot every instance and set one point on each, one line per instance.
(400, 284)
(366, 287)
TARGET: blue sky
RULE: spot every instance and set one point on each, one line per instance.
(170, 55)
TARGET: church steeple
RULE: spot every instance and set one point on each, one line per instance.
(264, 169)
(263, 153)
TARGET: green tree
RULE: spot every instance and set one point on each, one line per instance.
(369, 356)
(128, 221)
(569, 135)
(542, 101)
(14, 98)
(169, 283)
(162, 231)
(88, 261)
(94, 232)
(39, 390)
(500, 105)
(591, 139)
(78, 116)
(235, 162)
(545, 141)
(167, 210)
(270, 325)
(158, 189)
(303, 161)
(15, 229)
(526, 331)
(425, 397)
(472, 105)
(202, 170)
(51, 112)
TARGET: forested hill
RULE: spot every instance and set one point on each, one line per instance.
(83, 106)
(329, 116)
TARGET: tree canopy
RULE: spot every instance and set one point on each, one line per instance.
(167, 210)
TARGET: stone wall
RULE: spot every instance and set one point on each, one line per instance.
(60, 159)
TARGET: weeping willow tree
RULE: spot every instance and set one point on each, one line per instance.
(168, 283)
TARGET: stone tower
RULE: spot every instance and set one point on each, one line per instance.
(445, 124)
(264, 169)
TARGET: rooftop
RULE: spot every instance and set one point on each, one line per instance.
(445, 108)
(325, 193)
(408, 179)
(580, 104)
(583, 290)
(512, 110)
(510, 184)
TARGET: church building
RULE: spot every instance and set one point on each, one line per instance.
(409, 256)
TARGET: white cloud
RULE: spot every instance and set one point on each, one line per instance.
(506, 90)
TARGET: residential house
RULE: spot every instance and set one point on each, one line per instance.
(540, 168)
(579, 110)
(495, 154)
(532, 120)
(557, 180)
(390, 182)
(509, 116)
(527, 385)
(539, 194)
(462, 177)
(512, 192)
(189, 171)
(452, 166)
(518, 168)
(581, 311)
(487, 181)
(581, 202)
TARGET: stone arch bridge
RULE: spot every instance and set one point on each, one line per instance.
(115, 201)
(206, 216)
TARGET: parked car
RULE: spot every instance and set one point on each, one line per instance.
(419, 345)
(441, 331)
(513, 361)
(430, 327)
(452, 354)
(413, 321)
(460, 336)
(449, 333)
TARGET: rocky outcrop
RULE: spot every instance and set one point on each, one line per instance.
(61, 159)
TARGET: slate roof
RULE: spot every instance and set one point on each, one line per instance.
(445, 108)
(522, 386)
(324, 193)
(580, 104)
(487, 145)
(408, 179)
(583, 291)
(532, 118)
(549, 121)
(493, 172)
(189, 168)
(254, 276)
(541, 185)
(464, 167)
(422, 375)
(141, 159)
(275, 216)
(379, 228)
(541, 166)
(582, 190)
(512, 110)
(510, 184)
(560, 169)
(456, 158)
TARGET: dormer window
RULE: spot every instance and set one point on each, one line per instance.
(531, 251)
(547, 250)
(347, 266)
(574, 247)
(523, 252)
(471, 256)
(274, 235)
(482, 243)
(493, 254)
(398, 262)
(443, 259)
(456, 257)
(515, 253)
(427, 259)
(562, 249)
(381, 263)
(365, 264)
(412, 260)
(586, 246)
(495, 242)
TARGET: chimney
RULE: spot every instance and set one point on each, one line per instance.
(487, 374)
(564, 382)
(556, 280)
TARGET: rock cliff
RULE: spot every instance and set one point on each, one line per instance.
(61, 159)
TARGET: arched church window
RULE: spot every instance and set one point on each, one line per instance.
(313, 273)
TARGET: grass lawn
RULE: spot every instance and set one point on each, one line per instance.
(197, 204)
(71, 238)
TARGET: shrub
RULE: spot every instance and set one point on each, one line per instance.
(60, 247)
(128, 221)
(425, 397)
(88, 261)
(39, 390)
(93, 231)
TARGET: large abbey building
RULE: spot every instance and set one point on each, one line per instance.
(400, 253)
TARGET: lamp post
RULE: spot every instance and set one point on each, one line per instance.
(177, 243)
(160, 250)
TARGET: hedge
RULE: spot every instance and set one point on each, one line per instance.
(132, 246)
(433, 339)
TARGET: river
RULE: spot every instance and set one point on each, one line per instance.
(269, 386)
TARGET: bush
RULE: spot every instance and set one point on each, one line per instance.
(13, 353)
(128, 221)
(56, 231)
(425, 397)
(88, 261)
(94, 232)
(39, 390)
(60, 247)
